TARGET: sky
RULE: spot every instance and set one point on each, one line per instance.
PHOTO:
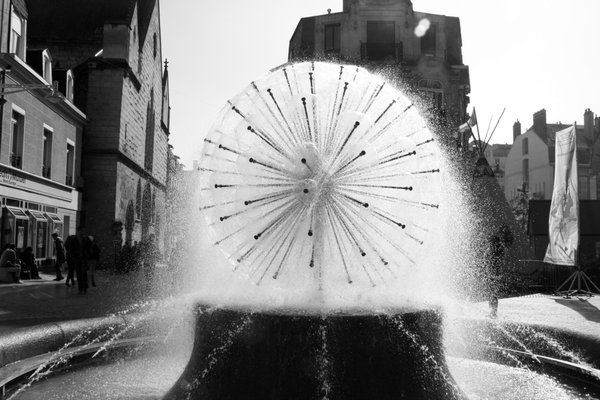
(523, 55)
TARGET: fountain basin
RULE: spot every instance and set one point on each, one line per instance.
(246, 354)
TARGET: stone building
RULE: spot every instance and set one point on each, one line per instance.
(530, 162)
(41, 134)
(418, 50)
(113, 50)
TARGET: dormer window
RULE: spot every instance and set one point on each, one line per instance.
(47, 63)
(69, 86)
(17, 34)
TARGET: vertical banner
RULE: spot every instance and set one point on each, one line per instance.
(563, 224)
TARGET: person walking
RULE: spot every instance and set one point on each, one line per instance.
(73, 257)
(59, 252)
(8, 259)
(93, 260)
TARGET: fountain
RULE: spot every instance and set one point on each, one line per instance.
(336, 210)
(322, 181)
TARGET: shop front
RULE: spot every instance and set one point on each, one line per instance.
(15, 227)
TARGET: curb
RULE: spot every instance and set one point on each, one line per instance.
(29, 342)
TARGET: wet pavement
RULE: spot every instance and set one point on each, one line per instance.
(35, 302)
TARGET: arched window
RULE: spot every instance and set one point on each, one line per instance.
(138, 201)
(155, 44)
(153, 207)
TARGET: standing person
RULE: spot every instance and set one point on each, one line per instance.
(28, 263)
(93, 259)
(498, 244)
(81, 269)
(73, 250)
(149, 254)
(59, 251)
(8, 259)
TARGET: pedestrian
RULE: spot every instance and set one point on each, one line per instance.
(59, 252)
(73, 257)
(28, 263)
(93, 260)
(8, 259)
(498, 244)
(149, 254)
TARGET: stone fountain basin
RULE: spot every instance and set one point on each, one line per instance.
(24, 351)
(346, 354)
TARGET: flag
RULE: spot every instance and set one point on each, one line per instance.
(469, 124)
(563, 222)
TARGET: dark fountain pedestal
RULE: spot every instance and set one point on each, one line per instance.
(285, 356)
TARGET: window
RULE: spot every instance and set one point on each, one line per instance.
(150, 116)
(16, 138)
(47, 155)
(428, 41)
(525, 170)
(525, 146)
(381, 39)
(332, 38)
(138, 201)
(47, 60)
(155, 44)
(70, 164)
(70, 84)
(153, 208)
(17, 40)
(432, 92)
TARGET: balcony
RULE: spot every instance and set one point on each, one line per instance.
(46, 172)
(382, 52)
(16, 160)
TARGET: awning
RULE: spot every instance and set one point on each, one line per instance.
(54, 218)
(37, 215)
(16, 212)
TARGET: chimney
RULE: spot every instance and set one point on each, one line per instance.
(588, 125)
(516, 130)
(539, 124)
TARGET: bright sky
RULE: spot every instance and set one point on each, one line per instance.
(524, 55)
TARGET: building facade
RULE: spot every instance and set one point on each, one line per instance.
(420, 51)
(113, 48)
(530, 162)
(41, 134)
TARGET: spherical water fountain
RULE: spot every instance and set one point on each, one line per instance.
(324, 181)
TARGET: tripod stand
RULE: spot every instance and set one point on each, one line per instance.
(576, 283)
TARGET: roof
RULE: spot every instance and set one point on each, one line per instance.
(83, 20)
(501, 150)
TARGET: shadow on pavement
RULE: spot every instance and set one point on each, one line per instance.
(583, 307)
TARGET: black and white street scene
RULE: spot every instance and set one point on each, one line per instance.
(299, 200)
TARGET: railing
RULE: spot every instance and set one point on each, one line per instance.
(45, 171)
(15, 160)
(69, 181)
(386, 52)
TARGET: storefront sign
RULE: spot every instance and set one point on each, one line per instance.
(10, 177)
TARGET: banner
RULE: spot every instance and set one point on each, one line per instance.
(563, 224)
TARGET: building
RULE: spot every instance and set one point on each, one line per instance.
(112, 49)
(420, 51)
(41, 133)
(530, 162)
